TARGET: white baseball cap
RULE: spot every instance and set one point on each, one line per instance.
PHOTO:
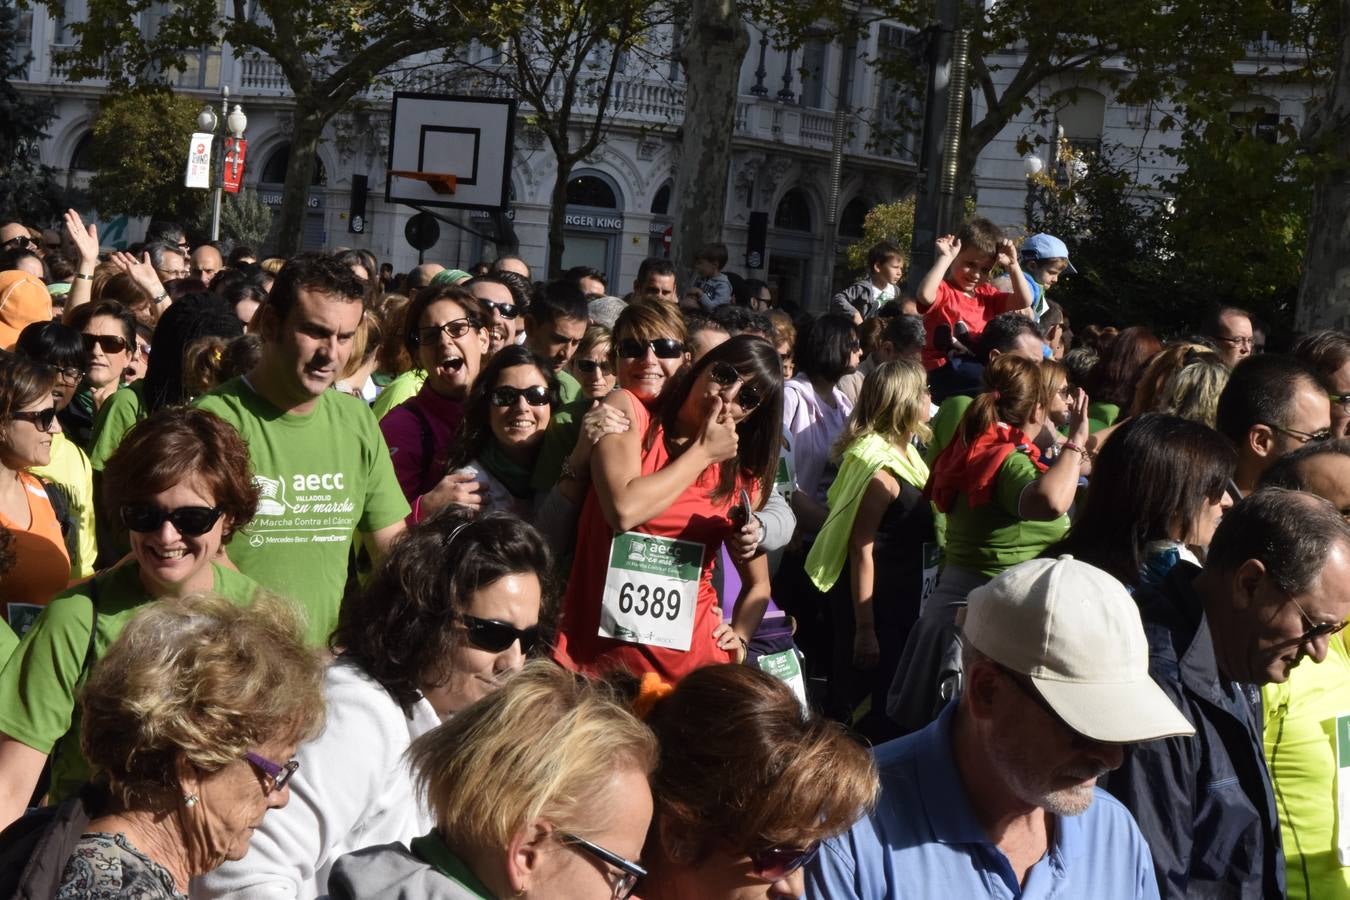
(1075, 632)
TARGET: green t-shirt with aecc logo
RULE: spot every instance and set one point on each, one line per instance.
(39, 682)
(322, 477)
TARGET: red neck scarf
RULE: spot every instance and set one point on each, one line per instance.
(974, 468)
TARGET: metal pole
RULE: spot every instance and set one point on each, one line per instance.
(220, 181)
(840, 133)
(926, 206)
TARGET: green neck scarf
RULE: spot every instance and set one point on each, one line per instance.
(506, 470)
(432, 851)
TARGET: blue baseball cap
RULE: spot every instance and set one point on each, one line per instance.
(1046, 246)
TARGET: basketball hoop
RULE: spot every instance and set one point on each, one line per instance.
(440, 182)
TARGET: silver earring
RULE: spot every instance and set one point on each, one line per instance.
(190, 800)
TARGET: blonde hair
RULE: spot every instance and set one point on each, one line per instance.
(272, 265)
(547, 745)
(364, 344)
(890, 405)
(595, 336)
(1054, 376)
(1192, 392)
(1148, 394)
(202, 678)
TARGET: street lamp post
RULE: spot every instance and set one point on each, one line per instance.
(235, 122)
(1031, 167)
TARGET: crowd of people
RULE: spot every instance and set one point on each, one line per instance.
(322, 580)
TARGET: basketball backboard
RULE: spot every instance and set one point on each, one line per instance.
(450, 151)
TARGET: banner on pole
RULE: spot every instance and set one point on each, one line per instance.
(199, 161)
(234, 163)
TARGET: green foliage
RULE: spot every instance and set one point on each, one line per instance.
(1230, 228)
(244, 218)
(28, 191)
(139, 150)
(892, 222)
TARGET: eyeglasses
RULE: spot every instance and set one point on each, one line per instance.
(192, 521)
(1316, 629)
(455, 328)
(725, 374)
(632, 872)
(41, 418)
(536, 395)
(1237, 341)
(1303, 437)
(280, 775)
(108, 343)
(72, 374)
(19, 240)
(591, 366)
(1341, 400)
(664, 348)
(778, 862)
(494, 635)
(505, 310)
(174, 274)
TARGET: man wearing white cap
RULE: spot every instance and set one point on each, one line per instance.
(997, 798)
(1275, 588)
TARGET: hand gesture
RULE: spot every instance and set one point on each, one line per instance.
(602, 419)
(727, 639)
(1079, 427)
(947, 247)
(1007, 254)
(142, 272)
(84, 237)
(718, 436)
(744, 541)
(459, 488)
(866, 650)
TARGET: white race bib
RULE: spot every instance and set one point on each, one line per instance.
(787, 667)
(1343, 790)
(651, 590)
(932, 562)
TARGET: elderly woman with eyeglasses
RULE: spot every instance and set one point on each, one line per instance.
(539, 790)
(190, 720)
(450, 617)
(180, 484)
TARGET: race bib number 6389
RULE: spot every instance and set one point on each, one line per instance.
(651, 590)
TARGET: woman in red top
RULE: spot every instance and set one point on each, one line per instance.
(27, 423)
(640, 596)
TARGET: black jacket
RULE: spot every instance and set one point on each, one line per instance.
(1204, 803)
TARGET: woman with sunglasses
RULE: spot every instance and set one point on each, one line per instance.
(181, 485)
(666, 494)
(747, 786)
(446, 336)
(108, 330)
(649, 346)
(593, 365)
(60, 348)
(539, 790)
(449, 617)
(190, 720)
(27, 427)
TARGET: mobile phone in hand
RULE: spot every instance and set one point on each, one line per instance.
(740, 513)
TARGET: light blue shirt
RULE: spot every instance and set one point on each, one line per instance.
(923, 841)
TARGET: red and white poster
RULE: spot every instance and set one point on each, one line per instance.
(234, 163)
(199, 161)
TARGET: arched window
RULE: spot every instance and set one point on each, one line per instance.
(851, 219)
(274, 171)
(661, 202)
(794, 212)
(588, 190)
(82, 157)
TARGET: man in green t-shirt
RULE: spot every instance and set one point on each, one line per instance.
(321, 465)
(554, 326)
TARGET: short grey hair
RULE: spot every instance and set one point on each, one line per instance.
(1290, 532)
(157, 251)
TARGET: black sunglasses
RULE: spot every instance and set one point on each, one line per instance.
(494, 635)
(192, 521)
(505, 310)
(109, 343)
(506, 395)
(21, 240)
(591, 366)
(664, 348)
(455, 328)
(774, 863)
(42, 418)
(632, 872)
(726, 375)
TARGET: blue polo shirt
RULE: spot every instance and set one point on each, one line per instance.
(923, 840)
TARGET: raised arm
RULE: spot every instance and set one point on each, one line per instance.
(1051, 495)
(627, 497)
(1021, 289)
(945, 251)
(85, 239)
